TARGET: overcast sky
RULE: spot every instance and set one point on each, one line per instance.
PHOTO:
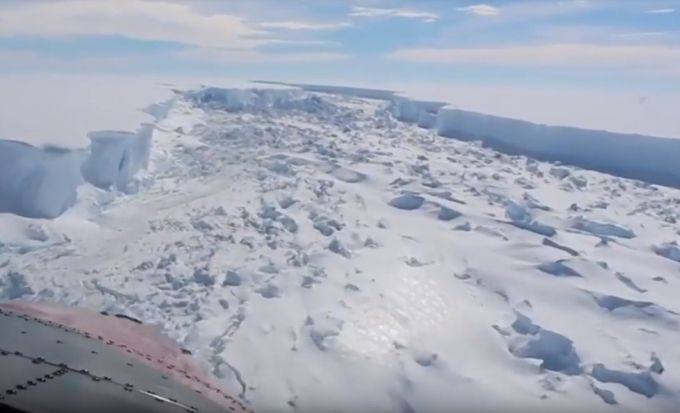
(621, 53)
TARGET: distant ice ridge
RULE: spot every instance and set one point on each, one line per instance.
(233, 100)
(43, 182)
(359, 92)
(646, 158)
(421, 112)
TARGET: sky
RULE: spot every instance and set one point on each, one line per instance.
(538, 60)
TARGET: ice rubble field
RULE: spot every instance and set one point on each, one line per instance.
(329, 251)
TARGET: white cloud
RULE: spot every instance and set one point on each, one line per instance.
(480, 10)
(601, 34)
(25, 61)
(295, 25)
(232, 57)
(29, 61)
(220, 38)
(145, 20)
(646, 57)
(428, 17)
(223, 37)
(534, 10)
(660, 11)
(639, 34)
(293, 42)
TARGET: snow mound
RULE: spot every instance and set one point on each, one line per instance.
(559, 269)
(555, 351)
(602, 229)
(14, 285)
(346, 174)
(407, 202)
(520, 216)
(640, 382)
(670, 250)
(550, 243)
(448, 214)
(35, 182)
(635, 309)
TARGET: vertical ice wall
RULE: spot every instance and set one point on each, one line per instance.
(42, 182)
(647, 158)
(421, 112)
(115, 156)
(35, 182)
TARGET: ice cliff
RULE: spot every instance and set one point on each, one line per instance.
(43, 182)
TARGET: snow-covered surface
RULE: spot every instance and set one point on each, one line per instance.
(320, 255)
(651, 113)
(648, 158)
